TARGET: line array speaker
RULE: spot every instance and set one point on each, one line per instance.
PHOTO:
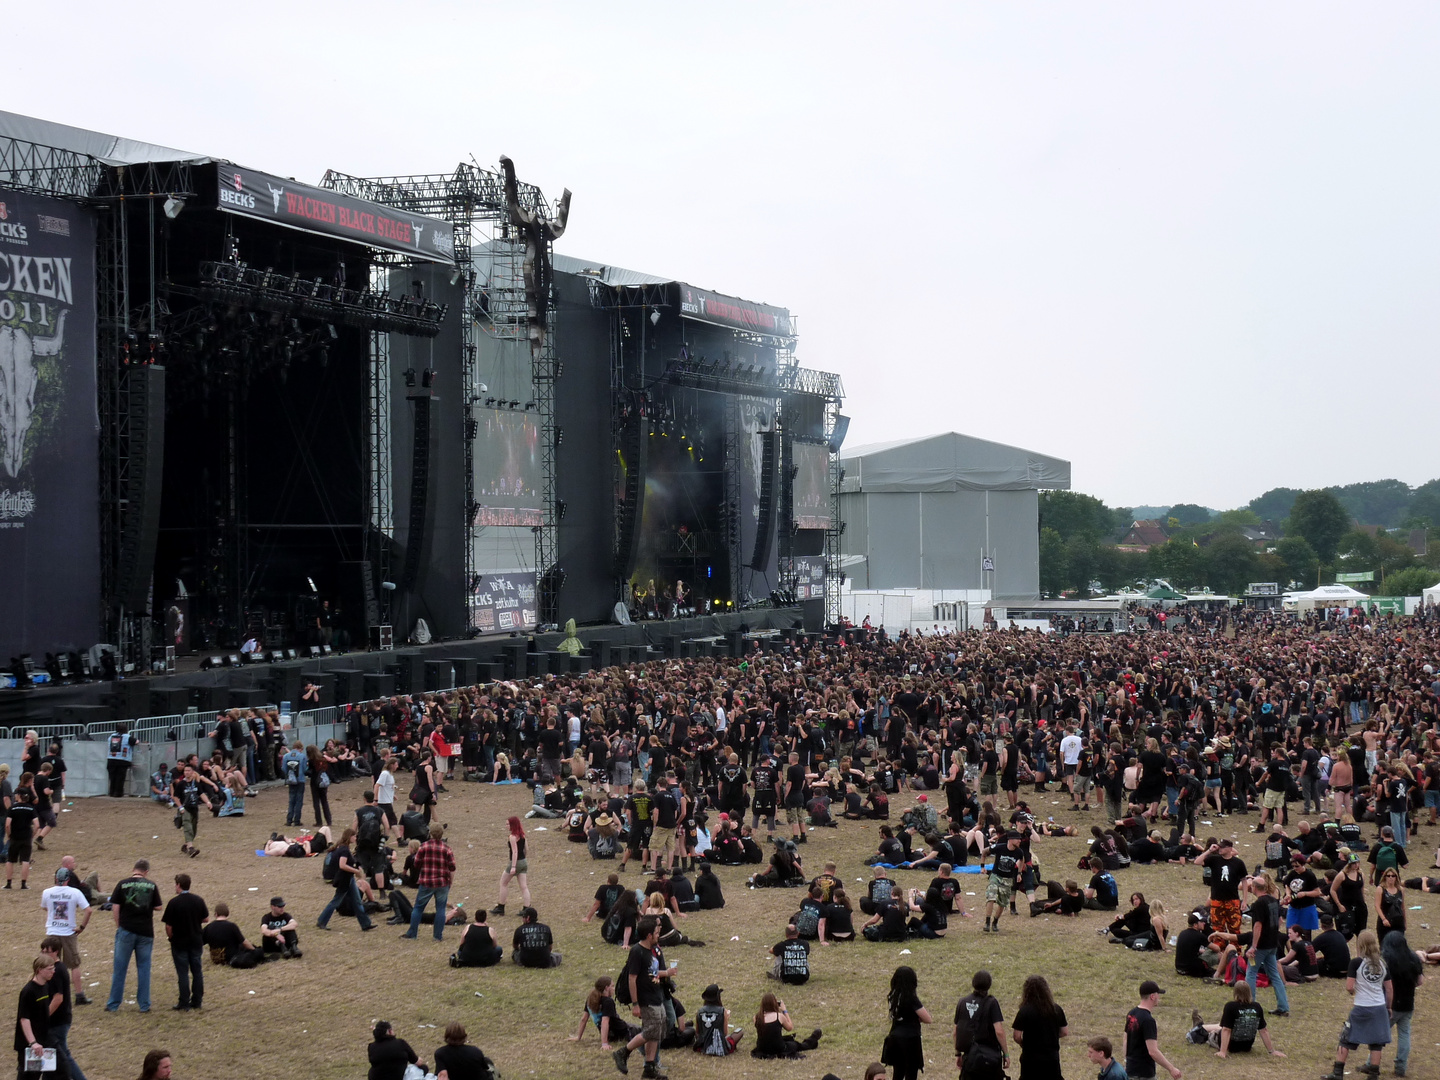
(422, 510)
(634, 446)
(140, 525)
(765, 522)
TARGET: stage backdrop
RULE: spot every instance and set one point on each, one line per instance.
(49, 444)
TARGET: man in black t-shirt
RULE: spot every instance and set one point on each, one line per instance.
(795, 797)
(640, 810)
(531, 945)
(185, 917)
(1226, 872)
(644, 969)
(60, 987)
(133, 902)
(227, 942)
(1142, 1037)
(979, 1023)
(765, 780)
(1189, 944)
(1331, 950)
(279, 932)
(792, 958)
(19, 830)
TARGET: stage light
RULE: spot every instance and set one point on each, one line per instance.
(410, 377)
(388, 586)
(427, 380)
(560, 509)
(654, 318)
(455, 276)
(514, 404)
(489, 402)
(333, 332)
(173, 206)
(529, 405)
(559, 436)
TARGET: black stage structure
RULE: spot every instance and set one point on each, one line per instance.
(307, 415)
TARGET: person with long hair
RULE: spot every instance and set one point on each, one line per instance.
(458, 1059)
(903, 1050)
(319, 785)
(156, 1066)
(772, 1023)
(1369, 1020)
(1240, 1024)
(516, 866)
(1389, 904)
(422, 794)
(1347, 893)
(1407, 971)
(599, 1009)
(1038, 1026)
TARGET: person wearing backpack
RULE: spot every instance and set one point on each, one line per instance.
(792, 958)
(295, 768)
(369, 831)
(1103, 893)
(119, 757)
(807, 919)
(1386, 855)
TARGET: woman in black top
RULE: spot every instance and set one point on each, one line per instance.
(457, 1060)
(1039, 1026)
(903, 1051)
(1348, 893)
(772, 1023)
(319, 793)
(835, 921)
(389, 1055)
(1389, 904)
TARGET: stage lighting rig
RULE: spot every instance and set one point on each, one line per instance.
(427, 378)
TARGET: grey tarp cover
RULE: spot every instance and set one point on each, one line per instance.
(950, 462)
(111, 149)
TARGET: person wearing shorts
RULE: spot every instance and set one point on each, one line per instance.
(1227, 873)
(1009, 862)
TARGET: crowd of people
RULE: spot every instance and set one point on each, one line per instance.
(672, 768)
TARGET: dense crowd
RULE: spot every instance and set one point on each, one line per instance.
(675, 766)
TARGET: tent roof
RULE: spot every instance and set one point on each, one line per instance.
(1163, 592)
(613, 276)
(1329, 592)
(111, 149)
(950, 462)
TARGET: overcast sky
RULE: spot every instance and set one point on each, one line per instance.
(1193, 249)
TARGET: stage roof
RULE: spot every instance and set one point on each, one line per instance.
(950, 462)
(111, 149)
(698, 304)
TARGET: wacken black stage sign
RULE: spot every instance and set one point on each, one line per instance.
(49, 452)
(809, 571)
(704, 306)
(310, 209)
(504, 602)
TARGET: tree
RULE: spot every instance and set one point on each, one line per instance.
(1375, 502)
(1425, 504)
(1299, 561)
(1072, 514)
(1358, 550)
(1275, 504)
(1052, 562)
(1232, 564)
(1082, 560)
(1318, 517)
(1411, 582)
(1178, 561)
(1189, 514)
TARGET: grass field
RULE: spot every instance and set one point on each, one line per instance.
(311, 1017)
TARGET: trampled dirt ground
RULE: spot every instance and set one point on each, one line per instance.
(311, 1017)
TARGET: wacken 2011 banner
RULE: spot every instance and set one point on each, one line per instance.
(49, 446)
(502, 602)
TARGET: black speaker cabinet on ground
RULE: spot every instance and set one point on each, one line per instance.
(439, 675)
(735, 640)
(248, 697)
(535, 664)
(349, 686)
(84, 714)
(513, 653)
(210, 698)
(813, 614)
(488, 671)
(169, 700)
(409, 668)
(599, 654)
(464, 670)
(285, 683)
(324, 681)
(378, 685)
(579, 665)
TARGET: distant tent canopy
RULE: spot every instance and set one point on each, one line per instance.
(1164, 592)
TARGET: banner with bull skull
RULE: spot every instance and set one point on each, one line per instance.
(49, 426)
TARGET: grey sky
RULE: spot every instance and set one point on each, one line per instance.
(1190, 248)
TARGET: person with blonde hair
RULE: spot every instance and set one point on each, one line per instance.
(1369, 1020)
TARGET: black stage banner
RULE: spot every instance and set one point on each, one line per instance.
(504, 602)
(315, 210)
(49, 445)
(809, 571)
(704, 306)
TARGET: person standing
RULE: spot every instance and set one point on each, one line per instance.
(63, 1014)
(1369, 1020)
(185, 918)
(319, 776)
(435, 869)
(516, 866)
(1265, 942)
(119, 756)
(19, 832)
(1406, 971)
(979, 1030)
(190, 797)
(294, 765)
(903, 1050)
(348, 877)
(1142, 1037)
(134, 902)
(1225, 872)
(1039, 1026)
(385, 793)
(643, 971)
(67, 913)
(32, 1022)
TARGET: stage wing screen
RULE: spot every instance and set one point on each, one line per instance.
(811, 503)
(507, 468)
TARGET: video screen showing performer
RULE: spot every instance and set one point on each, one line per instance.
(811, 500)
(507, 468)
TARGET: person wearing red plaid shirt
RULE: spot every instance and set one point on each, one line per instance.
(434, 868)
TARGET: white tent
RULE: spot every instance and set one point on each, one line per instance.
(1323, 597)
(1431, 595)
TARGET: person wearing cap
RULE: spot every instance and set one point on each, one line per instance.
(712, 1025)
(1142, 1037)
(279, 932)
(1192, 947)
(532, 943)
(1226, 873)
(1005, 869)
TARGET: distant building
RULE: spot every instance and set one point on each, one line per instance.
(1143, 535)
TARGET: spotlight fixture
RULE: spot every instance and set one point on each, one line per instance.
(654, 318)
(410, 376)
(455, 276)
(529, 405)
(514, 404)
(427, 380)
(173, 206)
(560, 509)
(489, 402)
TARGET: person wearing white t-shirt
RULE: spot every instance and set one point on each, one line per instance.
(1070, 747)
(385, 792)
(67, 913)
(721, 721)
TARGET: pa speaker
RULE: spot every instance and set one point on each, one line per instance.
(635, 443)
(145, 451)
(765, 520)
(422, 506)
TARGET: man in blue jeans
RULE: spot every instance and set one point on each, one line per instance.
(134, 903)
(1266, 937)
(435, 869)
(347, 878)
(295, 768)
(185, 918)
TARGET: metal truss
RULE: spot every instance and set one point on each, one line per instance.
(833, 564)
(731, 477)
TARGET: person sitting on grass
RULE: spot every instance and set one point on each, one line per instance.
(792, 959)
(708, 890)
(1071, 901)
(532, 945)
(1241, 1022)
(478, 945)
(712, 1025)
(458, 1060)
(835, 919)
(772, 1027)
(599, 1009)
(1102, 1052)
(227, 942)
